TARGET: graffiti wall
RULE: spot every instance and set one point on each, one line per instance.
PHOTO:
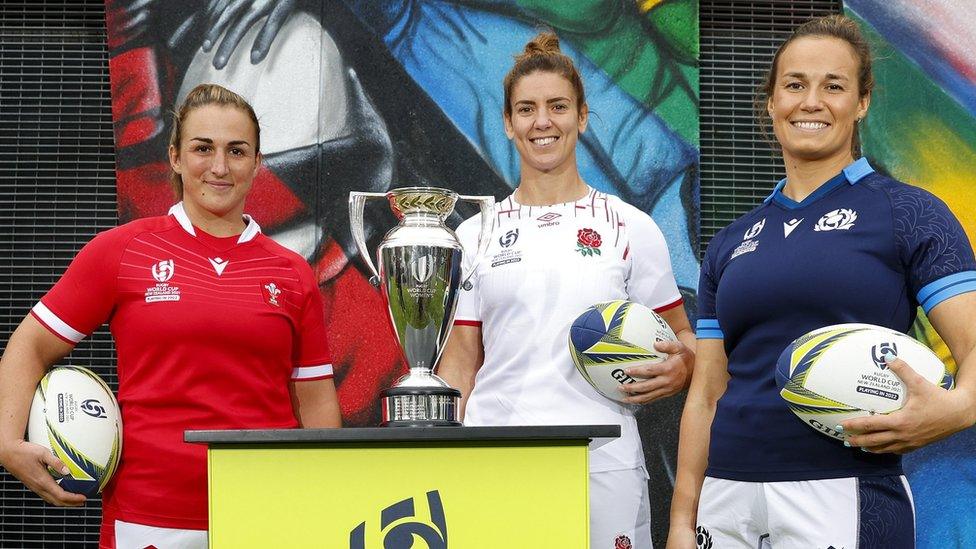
(374, 94)
(922, 129)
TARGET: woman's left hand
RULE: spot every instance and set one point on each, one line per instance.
(930, 414)
(663, 379)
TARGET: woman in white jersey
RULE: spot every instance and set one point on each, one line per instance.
(508, 352)
(750, 474)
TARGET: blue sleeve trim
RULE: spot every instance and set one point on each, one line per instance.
(937, 291)
(708, 328)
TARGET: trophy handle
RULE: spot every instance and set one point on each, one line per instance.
(357, 205)
(487, 205)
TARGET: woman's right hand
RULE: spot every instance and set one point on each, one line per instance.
(29, 462)
(681, 537)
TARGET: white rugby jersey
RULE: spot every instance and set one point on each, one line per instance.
(545, 265)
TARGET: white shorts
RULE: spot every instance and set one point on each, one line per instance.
(129, 535)
(620, 510)
(853, 512)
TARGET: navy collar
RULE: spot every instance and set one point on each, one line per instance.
(852, 174)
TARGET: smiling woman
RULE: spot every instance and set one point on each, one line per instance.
(855, 247)
(216, 327)
(817, 101)
(563, 247)
(215, 153)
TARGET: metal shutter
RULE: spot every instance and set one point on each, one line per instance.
(738, 40)
(57, 189)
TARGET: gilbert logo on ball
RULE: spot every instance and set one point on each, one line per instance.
(838, 372)
(610, 337)
(75, 415)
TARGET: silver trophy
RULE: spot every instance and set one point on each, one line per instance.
(420, 275)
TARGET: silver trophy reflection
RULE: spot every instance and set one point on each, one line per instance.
(420, 275)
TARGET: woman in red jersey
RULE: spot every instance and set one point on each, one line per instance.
(237, 342)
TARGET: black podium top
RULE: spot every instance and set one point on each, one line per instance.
(405, 434)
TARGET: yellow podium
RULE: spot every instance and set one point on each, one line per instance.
(400, 488)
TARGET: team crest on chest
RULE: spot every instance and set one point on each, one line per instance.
(840, 219)
(588, 242)
(272, 293)
(622, 542)
(162, 272)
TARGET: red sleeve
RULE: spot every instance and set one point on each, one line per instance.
(312, 357)
(85, 296)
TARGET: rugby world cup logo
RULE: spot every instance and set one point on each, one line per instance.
(879, 351)
(422, 268)
(400, 526)
(163, 270)
(508, 238)
(93, 408)
(755, 230)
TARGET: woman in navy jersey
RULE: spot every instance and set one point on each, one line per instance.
(215, 326)
(835, 242)
(559, 247)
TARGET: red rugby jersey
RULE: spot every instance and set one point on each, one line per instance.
(209, 332)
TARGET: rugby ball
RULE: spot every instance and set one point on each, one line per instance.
(610, 337)
(838, 372)
(75, 415)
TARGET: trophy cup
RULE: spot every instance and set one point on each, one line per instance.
(419, 276)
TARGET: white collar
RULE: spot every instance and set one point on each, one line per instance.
(251, 228)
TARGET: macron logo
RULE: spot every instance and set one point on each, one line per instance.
(788, 226)
(218, 264)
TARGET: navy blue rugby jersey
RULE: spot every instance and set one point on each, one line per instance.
(862, 248)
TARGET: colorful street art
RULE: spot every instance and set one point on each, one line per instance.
(367, 95)
(374, 94)
(922, 129)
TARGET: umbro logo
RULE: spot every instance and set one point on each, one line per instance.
(219, 264)
(548, 219)
(788, 226)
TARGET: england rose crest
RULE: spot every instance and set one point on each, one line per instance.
(622, 542)
(588, 242)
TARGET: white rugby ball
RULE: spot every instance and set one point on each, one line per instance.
(610, 337)
(75, 415)
(838, 372)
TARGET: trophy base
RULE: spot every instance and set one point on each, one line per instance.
(420, 407)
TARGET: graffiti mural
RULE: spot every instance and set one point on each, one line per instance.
(370, 95)
(922, 129)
